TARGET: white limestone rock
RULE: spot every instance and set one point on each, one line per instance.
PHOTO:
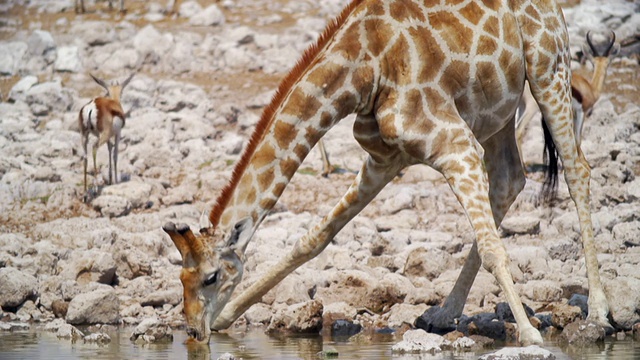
(210, 16)
(532, 352)
(16, 287)
(19, 90)
(68, 331)
(152, 330)
(100, 306)
(68, 59)
(419, 341)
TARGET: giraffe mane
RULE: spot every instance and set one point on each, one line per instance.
(268, 114)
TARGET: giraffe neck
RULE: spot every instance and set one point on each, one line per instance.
(320, 90)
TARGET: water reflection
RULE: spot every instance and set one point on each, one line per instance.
(197, 351)
(38, 344)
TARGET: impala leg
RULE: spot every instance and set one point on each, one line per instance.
(94, 153)
(371, 179)
(110, 148)
(326, 165)
(115, 156)
(85, 137)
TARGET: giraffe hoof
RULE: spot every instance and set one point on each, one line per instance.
(530, 336)
(605, 325)
(436, 320)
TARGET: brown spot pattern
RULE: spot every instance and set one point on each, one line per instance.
(452, 31)
(432, 55)
(288, 167)
(349, 45)
(487, 75)
(330, 77)
(378, 35)
(285, 133)
(265, 179)
(472, 12)
(487, 46)
(492, 26)
(398, 59)
(301, 105)
(402, 10)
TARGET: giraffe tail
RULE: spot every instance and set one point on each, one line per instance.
(550, 158)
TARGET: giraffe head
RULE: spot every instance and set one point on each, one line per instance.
(113, 90)
(211, 270)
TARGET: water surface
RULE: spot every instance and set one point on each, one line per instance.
(38, 344)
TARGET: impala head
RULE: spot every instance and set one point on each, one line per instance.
(210, 273)
(601, 58)
(113, 90)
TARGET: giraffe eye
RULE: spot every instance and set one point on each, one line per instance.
(211, 279)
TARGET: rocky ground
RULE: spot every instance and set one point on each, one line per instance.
(202, 77)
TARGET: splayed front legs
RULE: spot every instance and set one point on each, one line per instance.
(371, 179)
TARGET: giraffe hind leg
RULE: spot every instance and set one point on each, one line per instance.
(557, 114)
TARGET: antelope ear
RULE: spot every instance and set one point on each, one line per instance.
(587, 52)
(240, 236)
(615, 50)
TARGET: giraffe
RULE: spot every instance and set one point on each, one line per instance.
(433, 82)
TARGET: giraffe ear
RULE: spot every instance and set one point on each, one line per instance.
(240, 236)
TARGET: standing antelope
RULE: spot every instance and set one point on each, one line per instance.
(585, 92)
(104, 118)
(79, 4)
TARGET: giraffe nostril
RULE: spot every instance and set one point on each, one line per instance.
(192, 332)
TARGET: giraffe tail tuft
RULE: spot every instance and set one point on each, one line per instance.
(550, 158)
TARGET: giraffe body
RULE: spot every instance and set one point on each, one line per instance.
(432, 82)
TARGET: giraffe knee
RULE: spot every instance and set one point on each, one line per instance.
(495, 259)
(308, 247)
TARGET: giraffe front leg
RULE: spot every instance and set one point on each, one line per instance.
(370, 180)
(506, 180)
(471, 185)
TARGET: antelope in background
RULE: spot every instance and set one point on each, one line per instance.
(104, 118)
(585, 92)
(79, 4)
